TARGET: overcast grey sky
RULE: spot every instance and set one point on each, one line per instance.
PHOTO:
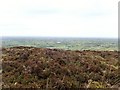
(62, 18)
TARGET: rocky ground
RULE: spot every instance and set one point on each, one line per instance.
(29, 67)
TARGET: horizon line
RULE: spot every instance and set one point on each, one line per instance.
(58, 37)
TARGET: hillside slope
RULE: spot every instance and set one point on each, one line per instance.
(29, 67)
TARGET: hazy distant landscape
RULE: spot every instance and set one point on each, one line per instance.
(63, 43)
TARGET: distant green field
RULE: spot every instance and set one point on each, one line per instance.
(62, 43)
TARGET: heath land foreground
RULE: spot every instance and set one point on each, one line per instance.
(30, 67)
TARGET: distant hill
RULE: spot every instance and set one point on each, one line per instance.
(30, 67)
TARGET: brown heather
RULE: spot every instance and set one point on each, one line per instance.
(29, 67)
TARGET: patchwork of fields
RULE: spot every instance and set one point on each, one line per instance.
(63, 43)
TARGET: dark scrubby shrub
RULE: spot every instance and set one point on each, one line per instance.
(81, 77)
(46, 73)
(94, 69)
(111, 77)
(20, 78)
(7, 68)
(95, 77)
(24, 56)
(62, 62)
(103, 55)
(102, 66)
